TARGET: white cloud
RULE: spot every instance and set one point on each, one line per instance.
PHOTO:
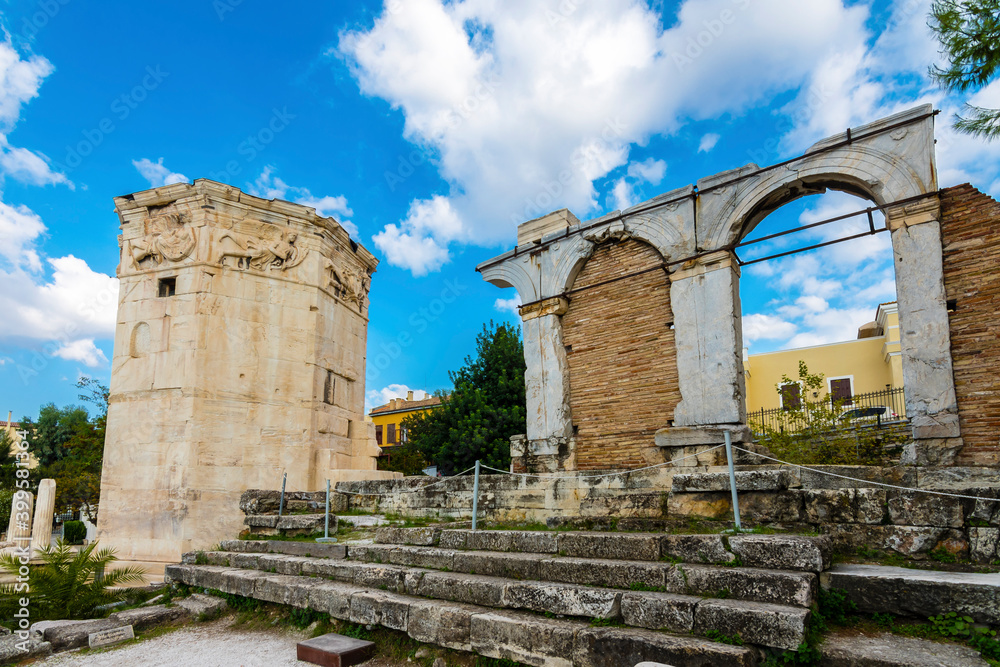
(157, 174)
(19, 81)
(508, 305)
(762, 326)
(82, 350)
(28, 166)
(708, 142)
(376, 397)
(522, 101)
(622, 194)
(420, 242)
(20, 227)
(269, 186)
(648, 171)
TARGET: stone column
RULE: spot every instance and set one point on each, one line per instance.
(546, 382)
(20, 529)
(708, 333)
(41, 529)
(925, 336)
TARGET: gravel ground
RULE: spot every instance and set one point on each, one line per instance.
(205, 645)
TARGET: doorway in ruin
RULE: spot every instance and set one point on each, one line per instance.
(619, 338)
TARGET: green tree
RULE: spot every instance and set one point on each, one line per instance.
(404, 458)
(8, 462)
(969, 32)
(54, 428)
(486, 407)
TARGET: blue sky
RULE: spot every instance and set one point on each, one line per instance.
(430, 130)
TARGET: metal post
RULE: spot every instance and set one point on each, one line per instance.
(326, 530)
(475, 497)
(281, 503)
(732, 479)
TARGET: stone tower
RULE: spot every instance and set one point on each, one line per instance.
(239, 355)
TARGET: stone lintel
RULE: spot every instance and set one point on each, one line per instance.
(532, 231)
(917, 213)
(687, 436)
(556, 305)
(699, 266)
(940, 425)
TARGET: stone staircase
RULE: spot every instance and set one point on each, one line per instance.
(544, 598)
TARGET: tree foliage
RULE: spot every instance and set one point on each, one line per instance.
(813, 433)
(67, 584)
(404, 458)
(969, 32)
(485, 408)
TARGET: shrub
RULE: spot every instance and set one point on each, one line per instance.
(68, 584)
(74, 532)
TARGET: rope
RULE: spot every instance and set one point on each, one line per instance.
(611, 474)
(421, 488)
(864, 481)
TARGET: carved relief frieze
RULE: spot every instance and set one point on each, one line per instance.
(348, 284)
(168, 239)
(271, 249)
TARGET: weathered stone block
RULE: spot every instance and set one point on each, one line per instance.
(911, 508)
(829, 506)
(415, 536)
(330, 569)
(795, 588)
(782, 552)
(772, 625)
(74, 634)
(371, 553)
(771, 506)
(443, 623)
(565, 599)
(870, 506)
(467, 588)
(332, 598)
(385, 577)
(886, 649)
(659, 611)
(984, 544)
(379, 608)
(712, 505)
(746, 480)
(14, 649)
(690, 436)
(911, 540)
(614, 647)
(696, 548)
(525, 638)
(202, 606)
(617, 546)
(538, 542)
(497, 564)
(435, 559)
(453, 539)
(603, 572)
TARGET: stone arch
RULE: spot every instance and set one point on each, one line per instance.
(516, 273)
(621, 355)
(886, 168)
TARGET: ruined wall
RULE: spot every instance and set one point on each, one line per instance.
(970, 235)
(622, 357)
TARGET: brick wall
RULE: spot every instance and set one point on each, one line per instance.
(622, 358)
(970, 230)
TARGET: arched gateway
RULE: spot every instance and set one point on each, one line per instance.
(693, 231)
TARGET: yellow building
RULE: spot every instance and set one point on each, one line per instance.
(387, 418)
(871, 363)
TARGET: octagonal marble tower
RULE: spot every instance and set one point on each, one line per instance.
(239, 355)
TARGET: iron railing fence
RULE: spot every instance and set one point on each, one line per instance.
(852, 412)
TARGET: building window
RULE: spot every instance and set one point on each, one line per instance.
(167, 287)
(378, 433)
(391, 436)
(329, 386)
(791, 396)
(841, 392)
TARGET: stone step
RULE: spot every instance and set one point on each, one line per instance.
(676, 609)
(288, 524)
(782, 552)
(794, 588)
(907, 592)
(887, 650)
(502, 634)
